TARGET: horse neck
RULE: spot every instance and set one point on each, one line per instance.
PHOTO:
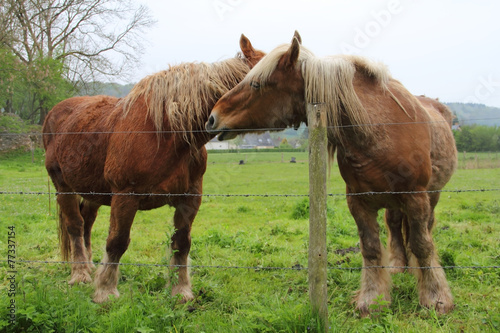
(331, 82)
(224, 76)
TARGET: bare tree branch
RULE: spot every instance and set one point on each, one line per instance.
(99, 31)
(91, 39)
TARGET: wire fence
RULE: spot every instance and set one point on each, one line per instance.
(296, 267)
(239, 130)
(241, 195)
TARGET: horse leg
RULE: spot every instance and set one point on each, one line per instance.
(123, 210)
(433, 200)
(374, 281)
(397, 253)
(185, 213)
(88, 210)
(72, 227)
(434, 291)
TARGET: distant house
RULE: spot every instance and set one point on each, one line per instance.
(215, 144)
(259, 141)
(249, 141)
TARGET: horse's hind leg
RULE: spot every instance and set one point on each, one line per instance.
(72, 225)
(185, 213)
(433, 199)
(396, 245)
(88, 210)
(434, 291)
(375, 281)
(123, 210)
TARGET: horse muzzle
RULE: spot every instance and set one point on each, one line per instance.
(212, 127)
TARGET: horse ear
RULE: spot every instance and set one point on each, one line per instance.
(252, 55)
(245, 46)
(296, 35)
(289, 59)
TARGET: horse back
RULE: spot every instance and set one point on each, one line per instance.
(443, 147)
(433, 105)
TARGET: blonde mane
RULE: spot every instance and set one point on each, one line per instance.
(266, 66)
(329, 81)
(179, 99)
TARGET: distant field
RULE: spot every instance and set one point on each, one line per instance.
(471, 160)
(466, 160)
(254, 233)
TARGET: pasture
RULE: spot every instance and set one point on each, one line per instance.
(243, 252)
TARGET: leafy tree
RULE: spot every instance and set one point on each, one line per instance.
(284, 144)
(9, 78)
(478, 138)
(45, 86)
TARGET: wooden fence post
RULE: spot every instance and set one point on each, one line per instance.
(48, 187)
(317, 262)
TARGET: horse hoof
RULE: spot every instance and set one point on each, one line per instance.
(82, 277)
(363, 310)
(441, 306)
(103, 295)
(185, 293)
(370, 303)
(439, 299)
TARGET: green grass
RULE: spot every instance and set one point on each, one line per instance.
(255, 232)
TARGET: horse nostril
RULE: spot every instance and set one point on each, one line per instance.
(210, 123)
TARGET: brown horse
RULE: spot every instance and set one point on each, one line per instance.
(387, 141)
(101, 150)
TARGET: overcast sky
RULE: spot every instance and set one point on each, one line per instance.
(443, 48)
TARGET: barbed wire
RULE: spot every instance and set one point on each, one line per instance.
(266, 195)
(235, 130)
(296, 267)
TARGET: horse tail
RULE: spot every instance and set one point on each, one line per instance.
(64, 243)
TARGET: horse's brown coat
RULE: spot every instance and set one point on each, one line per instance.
(101, 150)
(387, 141)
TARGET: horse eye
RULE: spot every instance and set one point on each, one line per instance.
(255, 84)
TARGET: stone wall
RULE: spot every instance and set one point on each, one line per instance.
(14, 135)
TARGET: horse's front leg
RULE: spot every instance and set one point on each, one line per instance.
(433, 288)
(123, 210)
(375, 281)
(185, 213)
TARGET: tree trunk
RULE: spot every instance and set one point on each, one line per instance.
(8, 106)
(43, 114)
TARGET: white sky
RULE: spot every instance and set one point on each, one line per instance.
(443, 48)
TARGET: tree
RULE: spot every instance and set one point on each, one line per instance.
(70, 41)
(478, 138)
(284, 144)
(8, 78)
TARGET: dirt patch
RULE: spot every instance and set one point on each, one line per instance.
(343, 252)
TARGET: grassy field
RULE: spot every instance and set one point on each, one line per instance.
(256, 232)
